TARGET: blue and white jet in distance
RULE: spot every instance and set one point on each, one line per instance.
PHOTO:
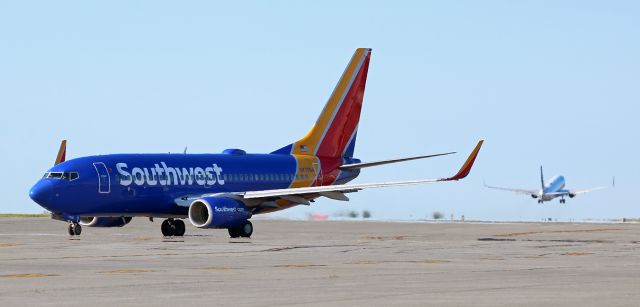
(222, 190)
(552, 189)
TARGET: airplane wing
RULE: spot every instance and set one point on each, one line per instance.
(573, 193)
(302, 195)
(517, 191)
(348, 188)
(578, 192)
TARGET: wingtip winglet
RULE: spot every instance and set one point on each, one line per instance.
(62, 153)
(468, 164)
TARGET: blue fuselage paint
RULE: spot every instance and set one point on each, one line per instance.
(149, 184)
(554, 185)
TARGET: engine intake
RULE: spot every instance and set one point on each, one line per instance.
(218, 212)
(93, 221)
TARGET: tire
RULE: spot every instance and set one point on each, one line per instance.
(178, 228)
(70, 230)
(246, 230)
(77, 229)
(167, 228)
(233, 232)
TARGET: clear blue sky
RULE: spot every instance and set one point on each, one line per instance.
(555, 83)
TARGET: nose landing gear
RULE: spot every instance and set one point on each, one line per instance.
(171, 227)
(74, 229)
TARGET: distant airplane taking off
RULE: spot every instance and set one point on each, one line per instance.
(222, 190)
(552, 189)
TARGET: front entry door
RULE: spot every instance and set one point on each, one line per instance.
(104, 181)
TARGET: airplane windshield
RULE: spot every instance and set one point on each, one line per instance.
(70, 176)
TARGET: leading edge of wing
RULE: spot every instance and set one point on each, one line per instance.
(345, 188)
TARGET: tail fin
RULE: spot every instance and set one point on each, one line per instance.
(541, 178)
(62, 153)
(334, 133)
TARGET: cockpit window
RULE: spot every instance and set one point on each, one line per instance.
(55, 175)
(70, 176)
(73, 175)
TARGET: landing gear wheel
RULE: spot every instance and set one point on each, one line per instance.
(233, 232)
(246, 230)
(167, 228)
(74, 229)
(178, 228)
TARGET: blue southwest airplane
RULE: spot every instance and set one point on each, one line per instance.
(550, 190)
(221, 190)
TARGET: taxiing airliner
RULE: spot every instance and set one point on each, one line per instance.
(224, 190)
(550, 190)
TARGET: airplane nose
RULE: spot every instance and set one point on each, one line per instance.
(42, 192)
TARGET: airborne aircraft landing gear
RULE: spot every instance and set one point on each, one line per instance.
(562, 201)
(74, 229)
(171, 227)
(245, 230)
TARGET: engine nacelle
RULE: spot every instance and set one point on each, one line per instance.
(571, 195)
(534, 196)
(105, 221)
(218, 212)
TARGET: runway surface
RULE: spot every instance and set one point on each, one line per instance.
(322, 263)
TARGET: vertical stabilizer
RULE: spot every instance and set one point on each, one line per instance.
(541, 178)
(62, 153)
(334, 133)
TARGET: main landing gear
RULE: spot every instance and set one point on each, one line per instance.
(562, 201)
(171, 227)
(74, 229)
(244, 230)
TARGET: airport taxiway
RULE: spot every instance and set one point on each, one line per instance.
(322, 263)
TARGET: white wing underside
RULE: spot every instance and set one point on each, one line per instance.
(343, 188)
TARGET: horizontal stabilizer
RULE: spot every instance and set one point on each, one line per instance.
(383, 162)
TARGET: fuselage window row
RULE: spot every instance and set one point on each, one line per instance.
(226, 177)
